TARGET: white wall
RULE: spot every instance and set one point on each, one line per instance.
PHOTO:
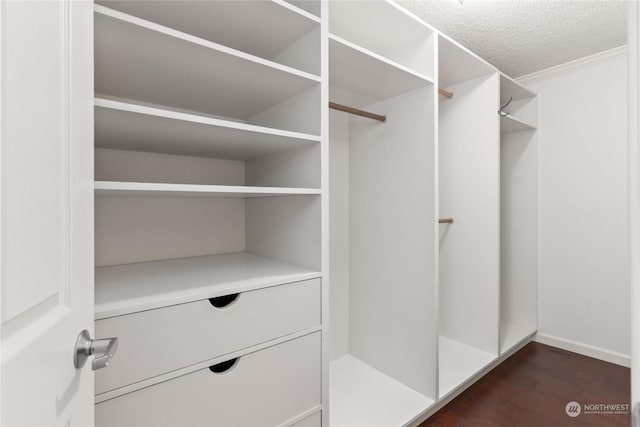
(583, 271)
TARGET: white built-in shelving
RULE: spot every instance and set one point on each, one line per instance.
(469, 192)
(175, 69)
(383, 355)
(114, 188)
(519, 214)
(410, 44)
(457, 64)
(272, 30)
(368, 74)
(208, 149)
(522, 108)
(312, 7)
(219, 171)
(135, 127)
(513, 124)
(364, 396)
(124, 289)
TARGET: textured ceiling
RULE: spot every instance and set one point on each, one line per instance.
(523, 36)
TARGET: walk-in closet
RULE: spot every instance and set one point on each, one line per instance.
(299, 213)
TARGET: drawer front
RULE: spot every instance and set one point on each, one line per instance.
(265, 388)
(313, 420)
(158, 341)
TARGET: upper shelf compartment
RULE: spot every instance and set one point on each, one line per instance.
(311, 6)
(522, 109)
(149, 63)
(509, 88)
(368, 75)
(124, 126)
(386, 29)
(272, 30)
(456, 64)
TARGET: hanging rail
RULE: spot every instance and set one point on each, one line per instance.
(357, 112)
(445, 221)
(445, 93)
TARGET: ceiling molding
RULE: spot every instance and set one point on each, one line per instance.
(573, 65)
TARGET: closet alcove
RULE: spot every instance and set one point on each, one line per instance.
(518, 214)
(469, 192)
(370, 270)
(382, 216)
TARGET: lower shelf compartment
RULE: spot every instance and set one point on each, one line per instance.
(458, 363)
(512, 332)
(363, 396)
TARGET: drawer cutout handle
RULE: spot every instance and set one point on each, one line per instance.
(222, 367)
(224, 301)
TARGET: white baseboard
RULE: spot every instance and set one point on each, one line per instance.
(584, 349)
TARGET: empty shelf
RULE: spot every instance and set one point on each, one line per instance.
(363, 396)
(409, 34)
(129, 288)
(512, 124)
(368, 74)
(116, 188)
(457, 64)
(260, 28)
(509, 88)
(512, 333)
(125, 126)
(137, 59)
(458, 363)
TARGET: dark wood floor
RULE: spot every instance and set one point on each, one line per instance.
(533, 387)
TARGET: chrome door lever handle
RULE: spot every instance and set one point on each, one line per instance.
(102, 350)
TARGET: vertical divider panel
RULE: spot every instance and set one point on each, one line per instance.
(324, 201)
(392, 322)
(436, 210)
(339, 233)
(469, 193)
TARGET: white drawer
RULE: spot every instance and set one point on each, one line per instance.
(313, 420)
(265, 388)
(158, 341)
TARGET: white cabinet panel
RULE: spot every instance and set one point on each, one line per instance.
(264, 388)
(158, 341)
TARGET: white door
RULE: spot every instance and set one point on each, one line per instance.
(46, 184)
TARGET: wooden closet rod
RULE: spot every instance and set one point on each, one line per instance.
(445, 221)
(445, 93)
(357, 112)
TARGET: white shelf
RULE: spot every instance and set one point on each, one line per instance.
(117, 188)
(368, 74)
(511, 333)
(363, 396)
(457, 64)
(130, 288)
(511, 88)
(512, 124)
(137, 59)
(125, 126)
(260, 28)
(360, 22)
(458, 363)
(312, 7)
